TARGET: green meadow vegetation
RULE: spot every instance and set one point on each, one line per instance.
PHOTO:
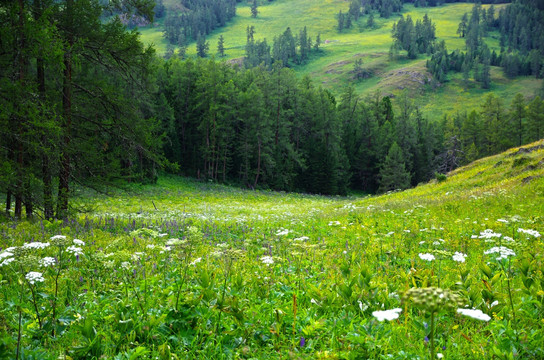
(333, 66)
(184, 269)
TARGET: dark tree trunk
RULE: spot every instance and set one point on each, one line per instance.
(65, 166)
(20, 125)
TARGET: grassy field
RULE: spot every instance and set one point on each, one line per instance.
(186, 269)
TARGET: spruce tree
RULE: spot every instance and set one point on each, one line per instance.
(393, 174)
(254, 9)
(221, 46)
(202, 46)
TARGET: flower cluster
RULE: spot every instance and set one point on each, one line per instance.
(387, 314)
(534, 233)
(459, 257)
(475, 314)
(503, 252)
(427, 257)
(34, 277)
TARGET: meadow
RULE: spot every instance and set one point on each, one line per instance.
(332, 67)
(184, 269)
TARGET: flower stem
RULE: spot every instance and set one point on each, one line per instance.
(432, 336)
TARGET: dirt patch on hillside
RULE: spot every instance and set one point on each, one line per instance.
(413, 77)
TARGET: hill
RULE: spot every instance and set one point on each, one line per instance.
(208, 271)
(333, 67)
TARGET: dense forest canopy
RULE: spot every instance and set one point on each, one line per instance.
(84, 102)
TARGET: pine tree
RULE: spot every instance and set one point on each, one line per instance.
(340, 21)
(202, 46)
(221, 46)
(254, 9)
(393, 174)
(517, 117)
(535, 119)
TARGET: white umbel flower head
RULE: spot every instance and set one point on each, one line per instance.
(426, 257)
(36, 245)
(503, 252)
(387, 314)
(196, 261)
(74, 250)
(47, 261)
(534, 233)
(79, 242)
(475, 314)
(459, 257)
(267, 260)
(34, 277)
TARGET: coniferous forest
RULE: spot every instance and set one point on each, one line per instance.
(290, 191)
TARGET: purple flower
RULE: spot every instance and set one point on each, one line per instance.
(426, 339)
(81, 279)
(302, 341)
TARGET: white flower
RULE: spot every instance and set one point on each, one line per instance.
(196, 261)
(163, 235)
(387, 314)
(428, 257)
(7, 261)
(74, 250)
(459, 257)
(440, 355)
(267, 260)
(34, 277)
(5, 254)
(35, 245)
(47, 261)
(58, 237)
(503, 251)
(503, 221)
(79, 242)
(282, 232)
(150, 246)
(475, 314)
(489, 234)
(494, 303)
(422, 242)
(302, 238)
(529, 232)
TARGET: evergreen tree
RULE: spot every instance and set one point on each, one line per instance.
(370, 23)
(535, 119)
(393, 174)
(340, 21)
(221, 46)
(202, 46)
(517, 117)
(254, 9)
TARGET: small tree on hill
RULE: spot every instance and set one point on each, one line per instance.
(393, 174)
(221, 46)
(202, 46)
(254, 9)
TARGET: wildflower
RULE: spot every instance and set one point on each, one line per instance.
(7, 261)
(489, 234)
(47, 261)
(35, 245)
(74, 250)
(282, 232)
(503, 221)
(267, 260)
(459, 257)
(58, 237)
(5, 254)
(196, 261)
(79, 242)
(387, 314)
(302, 342)
(427, 257)
(475, 314)
(440, 355)
(529, 232)
(34, 277)
(503, 251)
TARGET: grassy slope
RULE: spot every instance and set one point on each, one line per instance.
(332, 67)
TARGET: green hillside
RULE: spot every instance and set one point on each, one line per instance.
(332, 68)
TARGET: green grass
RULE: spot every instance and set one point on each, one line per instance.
(207, 271)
